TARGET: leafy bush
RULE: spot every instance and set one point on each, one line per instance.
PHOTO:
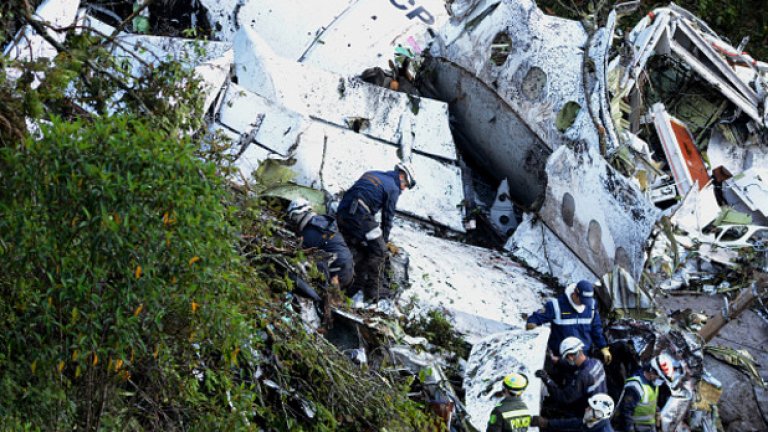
(118, 253)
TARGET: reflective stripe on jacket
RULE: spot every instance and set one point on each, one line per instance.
(509, 415)
(645, 410)
(566, 322)
(589, 379)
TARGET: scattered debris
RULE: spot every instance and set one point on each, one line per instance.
(621, 176)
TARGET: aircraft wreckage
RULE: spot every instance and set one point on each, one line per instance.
(588, 138)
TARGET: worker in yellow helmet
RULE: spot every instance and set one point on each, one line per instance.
(511, 414)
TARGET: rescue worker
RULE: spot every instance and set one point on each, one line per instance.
(321, 232)
(511, 414)
(597, 418)
(587, 379)
(639, 404)
(573, 313)
(375, 191)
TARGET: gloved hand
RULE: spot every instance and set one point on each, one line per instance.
(540, 422)
(392, 248)
(544, 376)
(530, 326)
(606, 355)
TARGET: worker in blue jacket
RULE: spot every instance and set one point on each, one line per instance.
(573, 313)
(597, 418)
(321, 231)
(375, 191)
(639, 405)
(586, 379)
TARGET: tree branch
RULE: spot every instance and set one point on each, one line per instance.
(39, 27)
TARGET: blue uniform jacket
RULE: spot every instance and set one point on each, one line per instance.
(588, 379)
(321, 232)
(630, 400)
(574, 424)
(567, 322)
(379, 190)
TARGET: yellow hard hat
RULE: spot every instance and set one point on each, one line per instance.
(516, 383)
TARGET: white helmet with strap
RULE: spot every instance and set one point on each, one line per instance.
(406, 169)
(297, 211)
(602, 404)
(571, 345)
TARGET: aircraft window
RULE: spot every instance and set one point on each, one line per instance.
(568, 209)
(594, 236)
(500, 47)
(733, 233)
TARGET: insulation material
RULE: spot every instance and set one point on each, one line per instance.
(494, 357)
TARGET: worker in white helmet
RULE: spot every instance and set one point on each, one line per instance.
(375, 191)
(587, 380)
(597, 417)
(321, 231)
(639, 404)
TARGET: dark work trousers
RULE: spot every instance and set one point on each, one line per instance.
(368, 254)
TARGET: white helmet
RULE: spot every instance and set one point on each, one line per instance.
(297, 209)
(602, 404)
(571, 345)
(406, 169)
(664, 366)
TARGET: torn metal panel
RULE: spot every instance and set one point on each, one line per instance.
(697, 210)
(688, 44)
(214, 75)
(332, 158)
(684, 159)
(396, 118)
(536, 245)
(750, 190)
(341, 36)
(735, 156)
(648, 37)
(674, 31)
(28, 45)
(602, 217)
(270, 125)
(459, 9)
(437, 197)
(483, 290)
(618, 290)
(496, 356)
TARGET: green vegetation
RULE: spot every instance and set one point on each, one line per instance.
(439, 331)
(139, 290)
